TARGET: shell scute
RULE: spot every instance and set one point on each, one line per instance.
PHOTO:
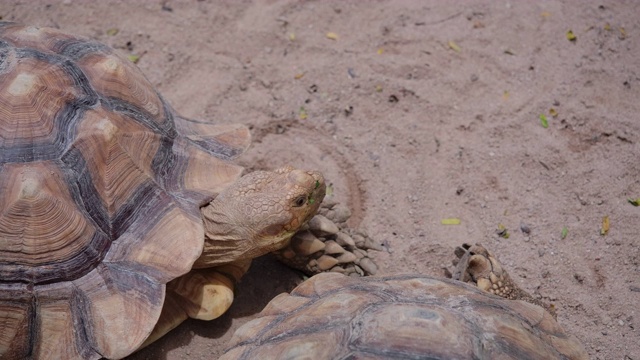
(100, 187)
(406, 316)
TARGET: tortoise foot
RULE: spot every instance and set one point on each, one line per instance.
(328, 244)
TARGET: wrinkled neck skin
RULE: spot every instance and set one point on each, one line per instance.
(258, 214)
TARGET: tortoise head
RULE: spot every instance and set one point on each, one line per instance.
(259, 213)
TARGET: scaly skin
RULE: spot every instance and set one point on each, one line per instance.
(477, 265)
(256, 215)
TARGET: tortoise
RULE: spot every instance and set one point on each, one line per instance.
(110, 198)
(409, 316)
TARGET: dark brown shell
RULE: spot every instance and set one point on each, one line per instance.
(100, 188)
(332, 316)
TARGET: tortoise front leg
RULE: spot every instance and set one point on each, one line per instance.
(329, 244)
(203, 294)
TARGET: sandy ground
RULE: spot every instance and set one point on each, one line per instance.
(419, 111)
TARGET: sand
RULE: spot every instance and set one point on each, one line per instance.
(418, 111)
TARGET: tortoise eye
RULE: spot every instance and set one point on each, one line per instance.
(300, 200)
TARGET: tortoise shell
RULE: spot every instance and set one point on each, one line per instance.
(100, 187)
(332, 316)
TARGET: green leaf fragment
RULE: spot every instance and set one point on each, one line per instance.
(453, 46)
(450, 221)
(329, 191)
(634, 202)
(112, 32)
(302, 113)
(317, 184)
(565, 231)
(503, 232)
(605, 226)
(543, 121)
(133, 58)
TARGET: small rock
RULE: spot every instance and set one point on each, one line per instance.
(525, 228)
(541, 252)
(348, 110)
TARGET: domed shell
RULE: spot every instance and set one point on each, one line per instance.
(332, 316)
(100, 188)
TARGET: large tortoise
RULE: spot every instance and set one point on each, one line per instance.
(107, 195)
(332, 316)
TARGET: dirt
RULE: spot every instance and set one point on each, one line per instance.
(417, 112)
